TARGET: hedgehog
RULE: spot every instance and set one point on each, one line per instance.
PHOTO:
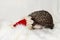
(42, 18)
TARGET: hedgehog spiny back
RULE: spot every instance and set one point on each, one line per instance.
(43, 18)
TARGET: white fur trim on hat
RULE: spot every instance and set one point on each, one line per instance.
(29, 22)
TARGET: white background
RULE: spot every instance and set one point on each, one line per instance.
(14, 10)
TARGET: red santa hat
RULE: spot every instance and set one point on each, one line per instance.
(25, 21)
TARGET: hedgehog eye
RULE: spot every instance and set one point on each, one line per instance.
(31, 18)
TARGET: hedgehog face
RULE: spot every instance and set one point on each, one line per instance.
(42, 18)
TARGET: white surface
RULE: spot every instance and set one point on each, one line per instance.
(14, 10)
(22, 33)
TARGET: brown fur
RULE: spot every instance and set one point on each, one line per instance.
(42, 18)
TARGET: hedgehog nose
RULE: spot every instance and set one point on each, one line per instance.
(23, 22)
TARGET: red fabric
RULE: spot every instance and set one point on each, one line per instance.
(23, 22)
